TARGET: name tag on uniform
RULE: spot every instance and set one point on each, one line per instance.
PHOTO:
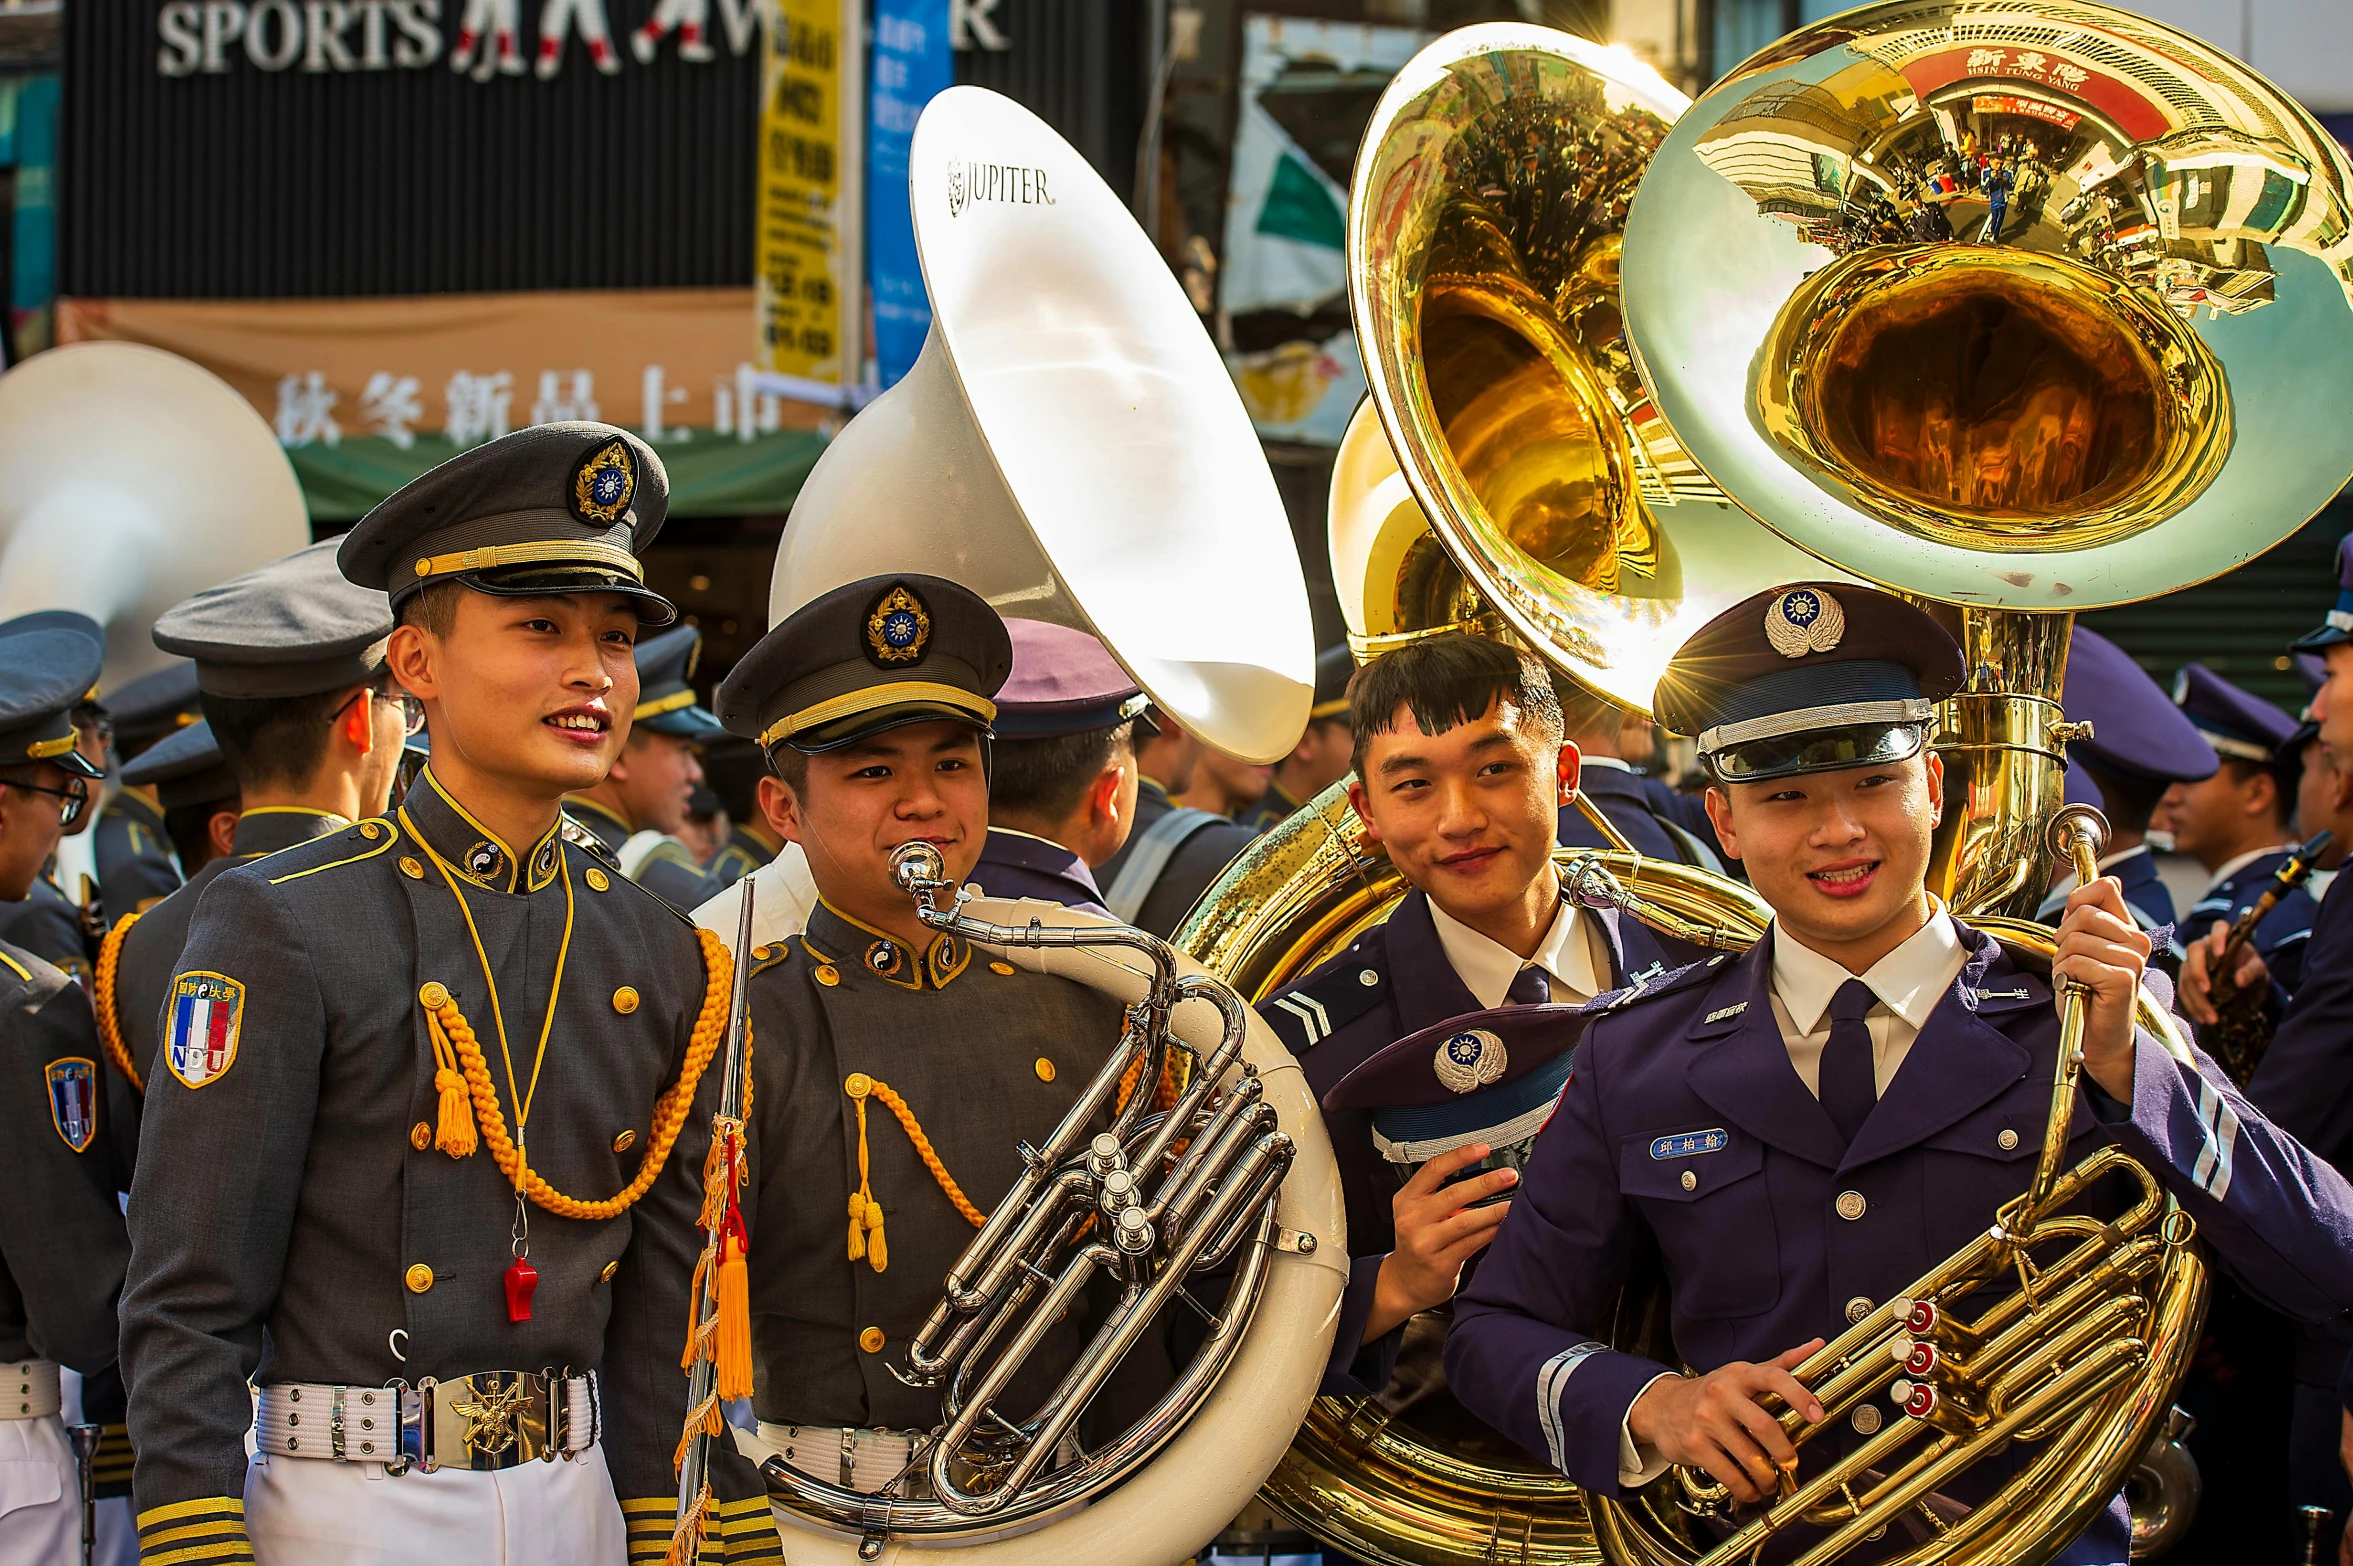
(1690, 1144)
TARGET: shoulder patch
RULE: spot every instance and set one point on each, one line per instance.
(73, 1101)
(207, 1014)
(1311, 1011)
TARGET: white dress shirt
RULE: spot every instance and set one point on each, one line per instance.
(2231, 867)
(1487, 967)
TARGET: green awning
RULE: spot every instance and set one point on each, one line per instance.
(710, 474)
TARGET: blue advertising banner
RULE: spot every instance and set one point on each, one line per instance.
(912, 63)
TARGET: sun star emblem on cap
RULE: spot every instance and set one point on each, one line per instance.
(1804, 620)
(899, 628)
(604, 485)
(1469, 1060)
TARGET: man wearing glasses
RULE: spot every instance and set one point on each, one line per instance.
(62, 1243)
(290, 668)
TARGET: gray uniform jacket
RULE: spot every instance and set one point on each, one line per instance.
(667, 872)
(985, 1057)
(337, 1244)
(62, 1246)
(49, 925)
(151, 950)
(135, 864)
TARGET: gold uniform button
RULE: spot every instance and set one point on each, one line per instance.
(1857, 1308)
(1851, 1205)
(761, 953)
(858, 1084)
(624, 1142)
(625, 1000)
(597, 880)
(2007, 1141)
(828, 975)
(421, 1135)
(410, 868)
(434, 995)
(1690, 1181)
(1005, 968)
(419, 1278)
(606, 1276)
(370, 831)
(1045, 1069)
(871, 1340)
(1867, 1419)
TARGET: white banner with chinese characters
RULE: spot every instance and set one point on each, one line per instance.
(367, 393)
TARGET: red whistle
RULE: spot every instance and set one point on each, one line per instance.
(522, 1279)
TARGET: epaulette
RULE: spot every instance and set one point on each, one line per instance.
(1311, 1011)
(1650, 987)
(580, 837)
(767, 957)
(360, 841)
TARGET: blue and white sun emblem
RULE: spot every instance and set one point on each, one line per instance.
(1469, 1060)
(1804, 620)
(607, 485)
(1801, 609)
(899, 629)
(604, 484)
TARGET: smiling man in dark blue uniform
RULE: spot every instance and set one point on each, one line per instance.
(1463, 771)
(1803, 1132)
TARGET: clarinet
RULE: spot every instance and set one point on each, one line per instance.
(2241, 1032)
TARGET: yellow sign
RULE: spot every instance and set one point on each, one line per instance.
(807, 245)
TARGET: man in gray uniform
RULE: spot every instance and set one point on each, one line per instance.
(880, 1041)
(442, 1249)
(62, 1246)
(637, 810)
(135, 868)
(302, 731)
(46, 920)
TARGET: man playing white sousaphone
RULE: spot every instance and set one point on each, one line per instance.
(1805, 1131)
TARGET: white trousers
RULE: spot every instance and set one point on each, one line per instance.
(303, 1512)
(40, 1495)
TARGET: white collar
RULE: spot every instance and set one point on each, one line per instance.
(2111, 861)
(1487, 967)
(1909, 981)
(1032, 836)
(2231, 867)
(1614, 763)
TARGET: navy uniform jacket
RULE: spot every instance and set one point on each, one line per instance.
(135, 864)
(150, 950)
(2145, 892)
(294, 1221)
(1016, 864)
(2280, 937)
(1756, 1256)
(1273, 808)
(1199, 860)
(62, 1244)
(1660, 823)
(1393, 981)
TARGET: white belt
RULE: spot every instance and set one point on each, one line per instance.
(28, 1389)
(485, 1422)
(854, 1459)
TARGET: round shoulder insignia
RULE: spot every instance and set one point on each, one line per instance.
(899, 627)
(1004, 968)
(597, 879)
(1804, 620)
(1470, 1060)
(604, 483)
(370, 831)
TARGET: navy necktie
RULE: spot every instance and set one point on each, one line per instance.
(1849, 1083)
(1529, 987)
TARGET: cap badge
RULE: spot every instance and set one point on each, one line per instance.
(899, 628)
(1804, 621)
(1471, 1059)
(604, 485)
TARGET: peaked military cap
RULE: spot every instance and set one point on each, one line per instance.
(665, 699)
(294, 627)
(1813, 677)
(185, 768)
(2235, 722)
(1063, 682)
(153, 705)
(556, 508)
(65, 620)
(47, 669)
(870, 656)
(2136, 730)
(2338, 627)
(1335, 666)
(1490, 1076)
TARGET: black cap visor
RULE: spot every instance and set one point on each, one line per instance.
(1817, 750)
(865, 725)
(563, 581)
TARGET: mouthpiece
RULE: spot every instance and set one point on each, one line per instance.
(918, 868)
(2077, 834)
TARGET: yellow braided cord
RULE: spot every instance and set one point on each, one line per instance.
(687, 1541)
(923, 1150)
(110, 1024)
(670, 1110)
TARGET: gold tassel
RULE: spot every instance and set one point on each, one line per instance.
(686, 1542)
(732, 1359)
(455, 1135)
(857, 1226)
(877, 1254)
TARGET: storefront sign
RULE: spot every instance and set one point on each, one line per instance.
(215, 37)
(807, 233)
(2025, 108)
(912, 65)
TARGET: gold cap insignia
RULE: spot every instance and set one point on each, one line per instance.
(899, 629)
(1804, 621)
(604, 484)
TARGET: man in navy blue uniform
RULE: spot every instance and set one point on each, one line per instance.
(1461, 773)
(2141, 744)
(1805, 1131)
(1062, 779)
(2240, 823)
(1612, 750)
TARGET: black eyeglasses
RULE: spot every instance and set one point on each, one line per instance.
(76, 795)
(412, 711)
